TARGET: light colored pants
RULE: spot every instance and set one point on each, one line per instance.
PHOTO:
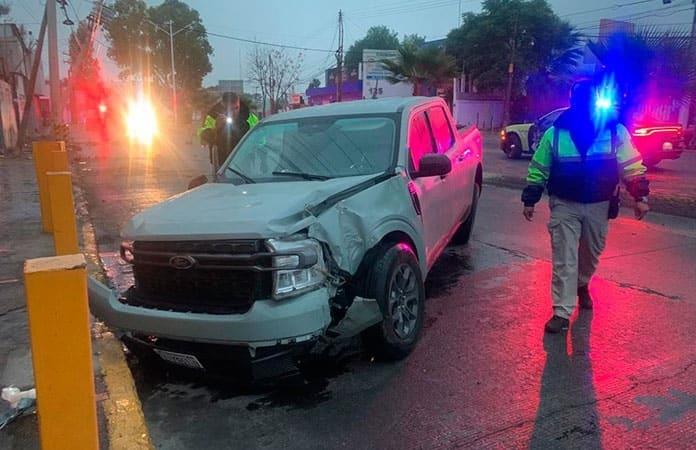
(578, 233)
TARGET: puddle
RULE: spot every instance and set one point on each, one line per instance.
(305, 389)
(447, 271)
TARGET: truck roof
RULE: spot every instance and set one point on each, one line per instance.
(371, 106)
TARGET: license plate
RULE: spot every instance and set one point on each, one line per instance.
(667, 147)
(180, 359)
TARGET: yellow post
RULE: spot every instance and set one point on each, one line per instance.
(62, 213)
(61, 347)
(49, 156)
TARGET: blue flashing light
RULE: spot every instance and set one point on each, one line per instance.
(603, 103)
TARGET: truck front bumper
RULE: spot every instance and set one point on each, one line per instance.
(268, 322)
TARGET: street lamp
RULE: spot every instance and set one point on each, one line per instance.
(171, 51)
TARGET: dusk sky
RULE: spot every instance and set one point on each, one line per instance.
(306, 23)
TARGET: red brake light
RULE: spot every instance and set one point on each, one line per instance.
(647, 131)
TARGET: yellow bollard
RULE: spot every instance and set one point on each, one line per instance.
(62, 213)
(61, 347)
(49, 156)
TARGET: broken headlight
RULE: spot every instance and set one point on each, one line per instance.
(302, 266)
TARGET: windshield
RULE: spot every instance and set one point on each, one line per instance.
(315, 148)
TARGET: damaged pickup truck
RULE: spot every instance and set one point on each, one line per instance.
(322, 224)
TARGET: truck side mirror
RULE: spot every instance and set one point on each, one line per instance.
(197, 181)
(433, 165)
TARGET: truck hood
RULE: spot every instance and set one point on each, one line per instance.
(225, 211)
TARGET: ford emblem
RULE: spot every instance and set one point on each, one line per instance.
(182, 262)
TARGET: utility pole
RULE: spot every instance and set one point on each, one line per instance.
(339, 59)
(53, 67)
(271, 79)
(459, 17)
(511, 73)
(32, 83)
(171, 51)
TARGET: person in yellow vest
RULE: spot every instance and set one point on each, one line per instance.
(224, 125)
(580, 161)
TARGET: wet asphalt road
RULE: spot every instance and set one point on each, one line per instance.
(483, 375)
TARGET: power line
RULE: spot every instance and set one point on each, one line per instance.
(403, 9)
(270, 44)
(239, 39)
(617, 6)
(669, 10)
(26, 8)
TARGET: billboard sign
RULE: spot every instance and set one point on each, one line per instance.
(374, 76)
(372, 63)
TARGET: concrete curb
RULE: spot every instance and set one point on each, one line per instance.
(675, 206)
(125, 421)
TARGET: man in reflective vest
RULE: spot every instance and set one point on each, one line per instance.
(580, 160)
(224, 126)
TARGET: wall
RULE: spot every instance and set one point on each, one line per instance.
(486, 112)
(385, 89)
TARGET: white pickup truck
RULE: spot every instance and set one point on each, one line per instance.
(323, 223)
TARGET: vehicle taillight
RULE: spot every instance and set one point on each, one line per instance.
(502, 134)
(647, 131)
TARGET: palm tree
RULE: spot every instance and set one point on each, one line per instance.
(420, 65)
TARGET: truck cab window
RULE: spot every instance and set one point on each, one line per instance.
(420, 139)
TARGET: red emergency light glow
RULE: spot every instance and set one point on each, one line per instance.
(647, 131)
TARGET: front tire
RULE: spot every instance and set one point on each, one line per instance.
(397, 284)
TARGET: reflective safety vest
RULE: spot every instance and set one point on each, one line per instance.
(252, 120)
(567, 174)
(208, 123)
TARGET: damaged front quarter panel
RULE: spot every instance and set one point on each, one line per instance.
(349, 229)
(358, 223)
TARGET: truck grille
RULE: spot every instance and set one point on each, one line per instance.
(221, 282)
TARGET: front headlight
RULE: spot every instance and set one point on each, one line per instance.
(295, 255)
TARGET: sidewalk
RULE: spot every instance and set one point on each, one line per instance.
(21, 238)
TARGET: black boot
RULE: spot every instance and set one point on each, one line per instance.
(584, 298)
(556, 324)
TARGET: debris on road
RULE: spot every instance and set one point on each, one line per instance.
(20, 402)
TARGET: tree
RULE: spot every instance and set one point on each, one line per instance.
(275, 72)
(377, 38)
(413, 39)
(82, 62)
(315, 83)
(420, 65)
(526, 33)
(140, 44)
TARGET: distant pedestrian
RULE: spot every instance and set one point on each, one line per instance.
(580, 160)
(224, 126)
